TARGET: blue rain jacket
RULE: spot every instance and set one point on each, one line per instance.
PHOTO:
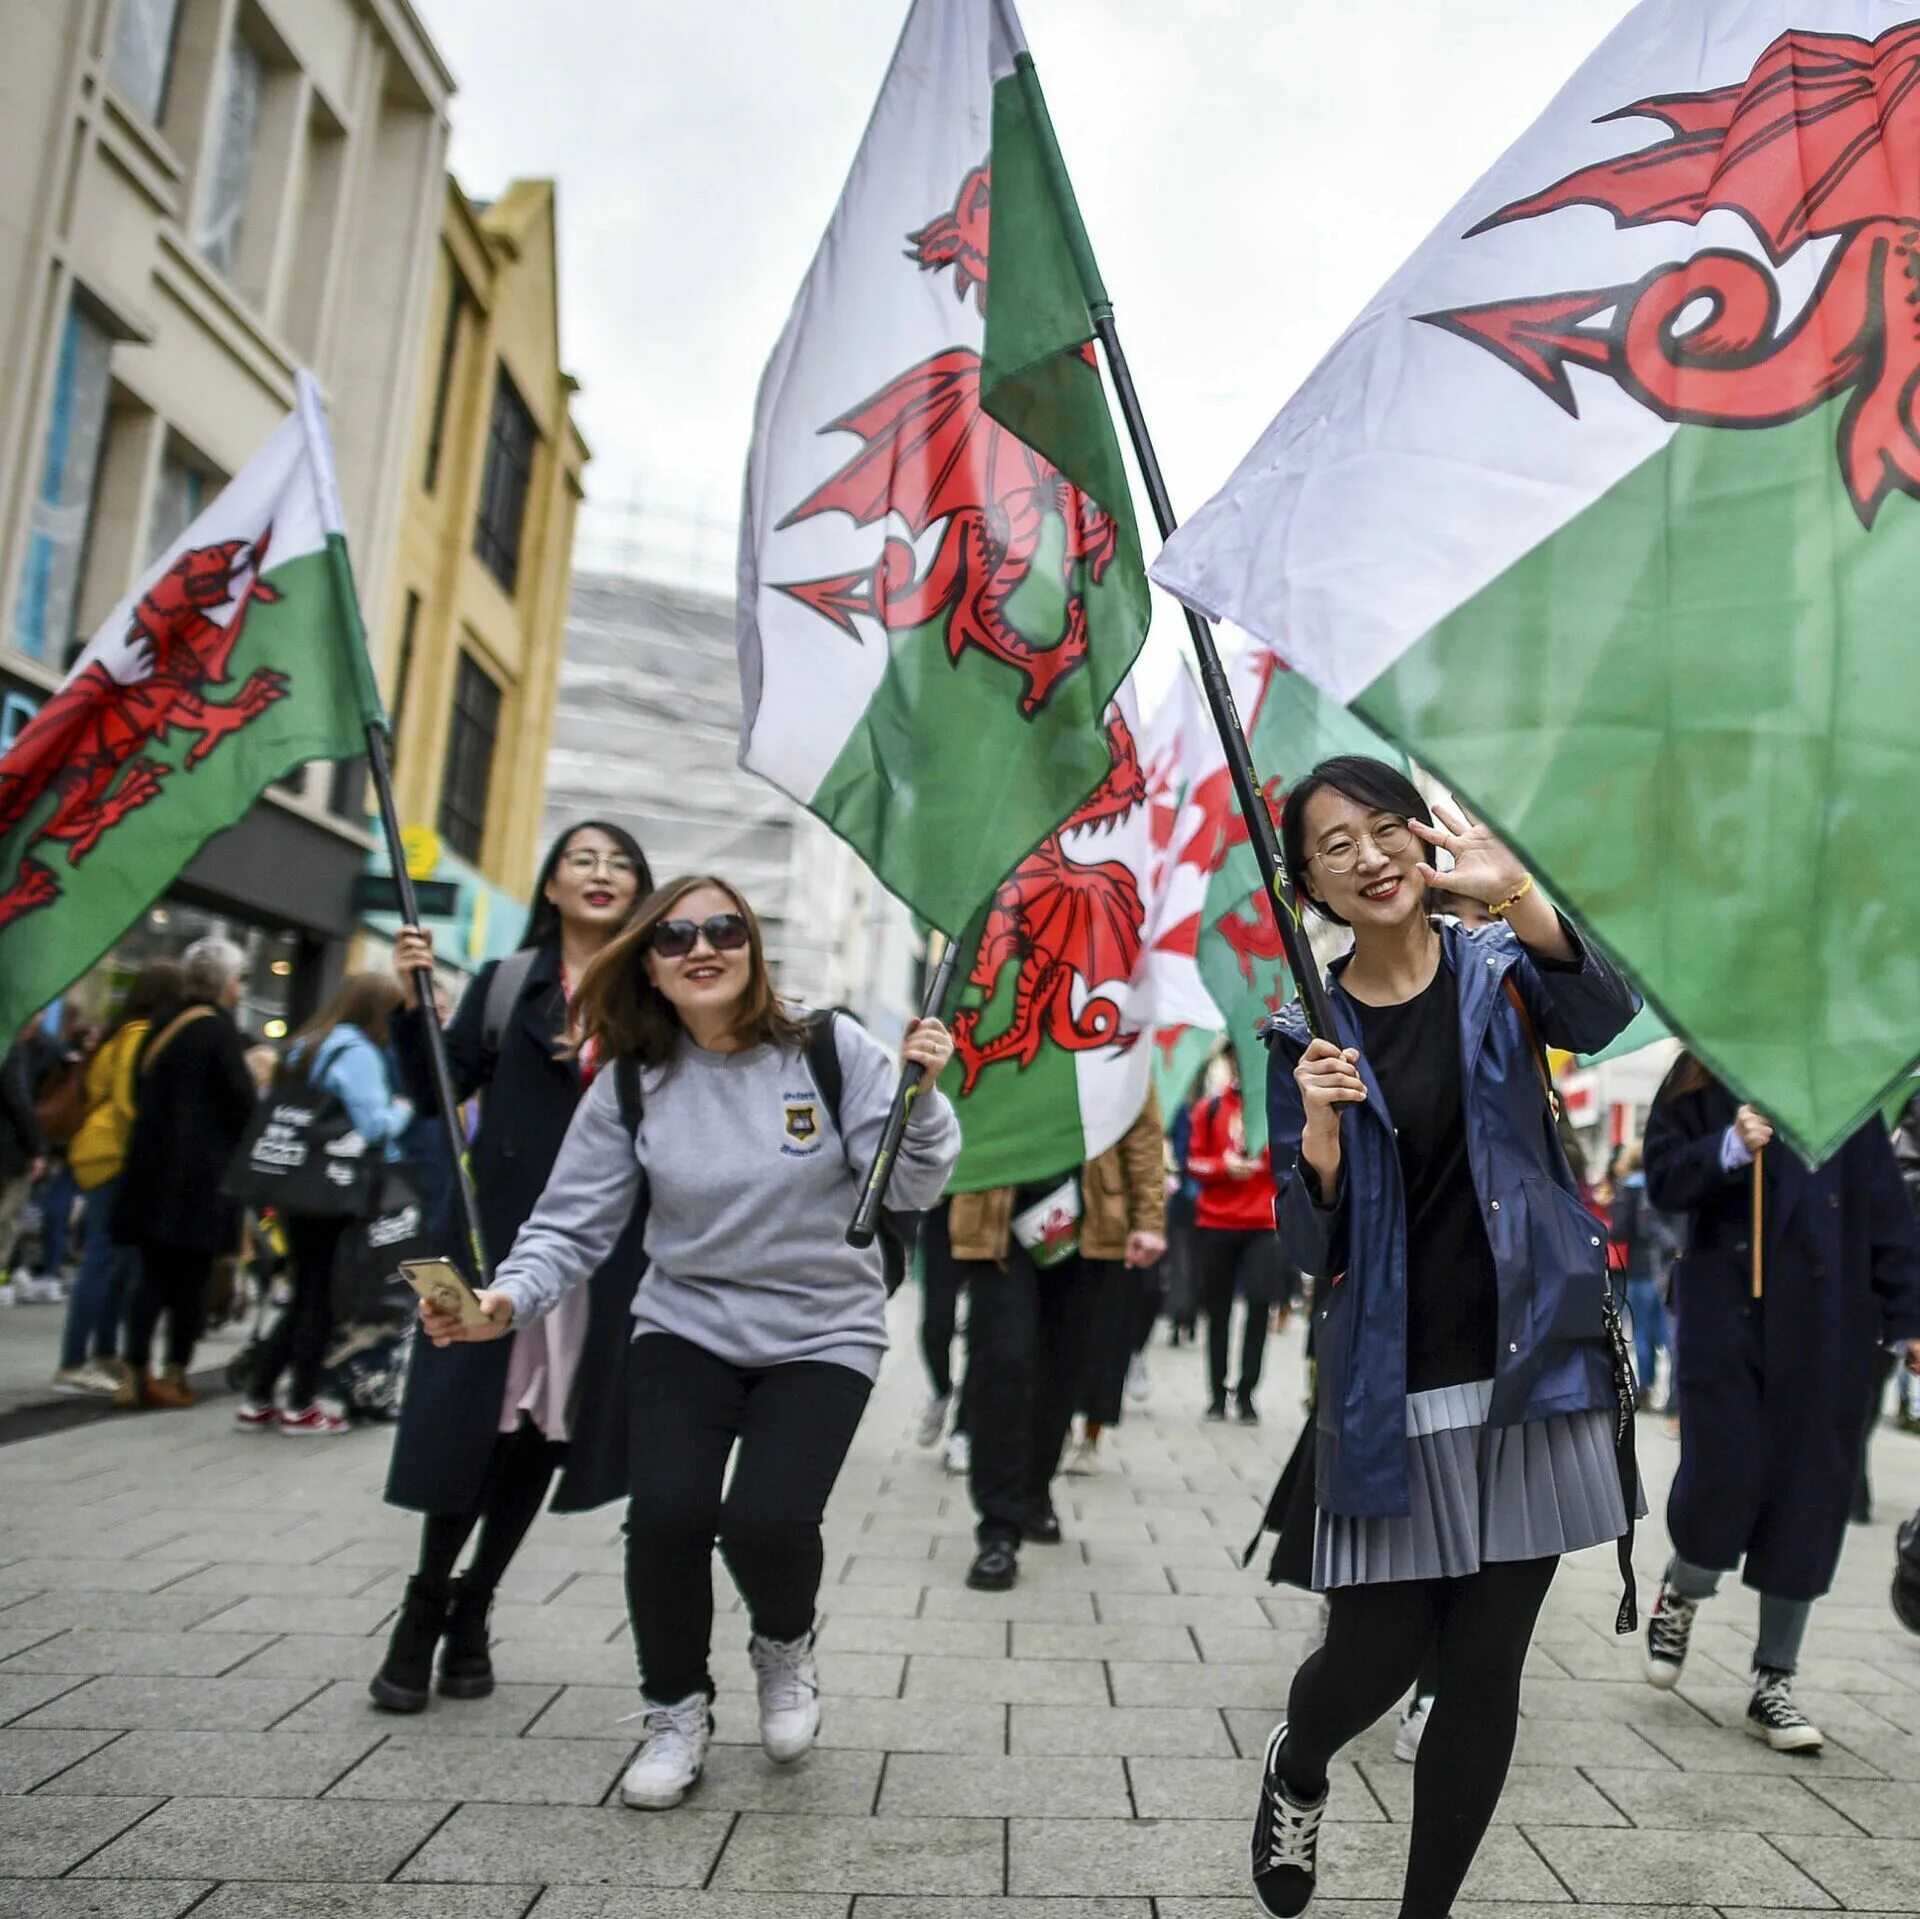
(1549, 1251)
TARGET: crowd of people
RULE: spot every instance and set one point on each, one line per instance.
(691, 1331)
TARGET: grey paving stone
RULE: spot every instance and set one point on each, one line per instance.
(1715, 1802)
(558, 1662)
(302, 1656)
(220, 1765)
(743, 1779)
(137, 1655)
(342, 1901)
(116, 1612)
(1725, 1749)
(551, 1772)
(995, 1787)
(769, 1853)
(1163, 1683)
(1255, 1646)
(345, 1707)
(21, 1693)
(1885, 1810)
(291, 1612)
(1370, 1862)
(1550, 1795)
(1570, 1742)
(298, 1839)
(883, 1906)
(1622, 1702)
(559, 1626)
(97, 1899)
(951, 1638)
(1166, 1644)
(1174, 1788)
(902, 1725)
(1872, 1716)
(1025, 1604)
(1033, 1682)
(591, 1712)
(41, 1838)
(28, 1758)
(1221, 1613)
(1681, 1868)
(870, 1602)
(1118, 1729)
(843, 1674)
(254, 1579)
(1863, 1874)
(170, 1705)
(89, 1575)
(603, 1902)
(1129, 1856)
(572, 1845)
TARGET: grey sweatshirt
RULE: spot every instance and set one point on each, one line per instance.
(751, 1191)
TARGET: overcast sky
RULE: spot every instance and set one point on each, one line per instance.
(1249, 170)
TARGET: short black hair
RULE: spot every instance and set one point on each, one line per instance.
(1366, 781)
(543, 920)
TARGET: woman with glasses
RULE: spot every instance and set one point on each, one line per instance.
(484, 1429)
(1465, 1434)
(759, 1331)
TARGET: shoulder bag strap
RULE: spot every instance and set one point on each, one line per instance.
(177, 1026)
(503, 990)
(823, 1061)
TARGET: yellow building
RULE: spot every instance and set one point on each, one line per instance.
(474, 612)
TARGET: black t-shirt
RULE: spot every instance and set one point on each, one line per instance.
(1452, 1294)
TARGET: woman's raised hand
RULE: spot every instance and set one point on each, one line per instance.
(412, 951)
(1328, 1078)
(927, 1044)
(1483, 868)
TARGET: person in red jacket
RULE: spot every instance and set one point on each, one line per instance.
(1235, 1248)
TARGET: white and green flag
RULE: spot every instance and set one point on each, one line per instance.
(1607, 507)
(941, 587)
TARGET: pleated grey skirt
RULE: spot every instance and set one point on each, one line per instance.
(1480, 1493)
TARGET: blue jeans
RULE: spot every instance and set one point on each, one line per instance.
(58, 1191)
(1650, 1328)
(107, 1270)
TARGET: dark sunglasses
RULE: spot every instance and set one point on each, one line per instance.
(675, 939)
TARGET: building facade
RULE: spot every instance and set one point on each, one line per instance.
(475, 606)
(198, 197)
(647, 734)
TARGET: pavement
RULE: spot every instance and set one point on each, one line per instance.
(188, 1617)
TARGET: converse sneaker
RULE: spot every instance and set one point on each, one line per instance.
(933, 1420)
(670, 1761)
(1413, 1724)
(959, 1455)
(1668, 1630)
(1286, 1838)
(311, 1419)
(257, 1416)
(74, 1380)
(789, 1683)
(1772, 1715)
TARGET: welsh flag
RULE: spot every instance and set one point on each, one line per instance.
(1608, 507)
(238, 656)
(1051, 1058)
(941, 587)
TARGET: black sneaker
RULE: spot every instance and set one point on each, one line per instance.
(1669, 1628)
(1772, 1715)
(1043, 1529)
(1243, 1411)
(1217, 1408)
(1286, 1840)
(995, 1567)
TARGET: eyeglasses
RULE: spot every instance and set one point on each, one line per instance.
(675, 939)
(1390, 838)
(620, 865)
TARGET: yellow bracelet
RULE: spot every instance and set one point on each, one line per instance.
(1506, 906)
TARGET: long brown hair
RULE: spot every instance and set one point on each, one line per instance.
(155, 996)
(1686, 1075)
(620, 1007)
(366, 1000)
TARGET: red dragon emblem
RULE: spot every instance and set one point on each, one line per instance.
(1820, 142)
(86, 745)
(1065, 921)
(930, 454)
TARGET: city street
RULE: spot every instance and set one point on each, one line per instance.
(188, 1617)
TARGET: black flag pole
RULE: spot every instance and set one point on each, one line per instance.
(1282, 898)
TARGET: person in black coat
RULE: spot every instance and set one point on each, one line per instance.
(484, 1428)
(21, 1150)
(1771, 1387)
(193, 1097)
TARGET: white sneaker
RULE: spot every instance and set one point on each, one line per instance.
(959, 1455)
(1083, 1456)
(670, 1761)
(1413, 1723)
(933, 1420)
(1139, 1384)
(789, 1681)
(7, 1294)
(75, 1380)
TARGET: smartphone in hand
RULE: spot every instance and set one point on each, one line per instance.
(444, 1287)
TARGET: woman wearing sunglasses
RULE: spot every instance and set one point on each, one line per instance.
(1465, 1435)
(484, 1429)
(759, 1331)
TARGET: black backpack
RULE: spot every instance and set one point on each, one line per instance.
(898, 1229)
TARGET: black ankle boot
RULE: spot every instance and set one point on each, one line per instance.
(466, 1670)
(402, 1681)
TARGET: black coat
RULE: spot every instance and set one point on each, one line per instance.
(19, 1131)
(450, 1414)
(1773, 1392)
(192, 1101)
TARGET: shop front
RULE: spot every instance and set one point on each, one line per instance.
(472, 920)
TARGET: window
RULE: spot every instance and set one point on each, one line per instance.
(403, 671)
(181, 497)
(469, 770)
(511, 438)
(443, 379)
(223, 200)
(142, 58)
(63, 508)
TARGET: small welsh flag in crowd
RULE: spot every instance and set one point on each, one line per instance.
(238, 656)
(941, 586)
(1608, 508)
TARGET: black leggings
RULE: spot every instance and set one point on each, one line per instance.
(1377, 1639)
(941, 1279)
(787, 1429)
(174, 1281)
(514, 1490)
(1224, 1262)
(297, 1345)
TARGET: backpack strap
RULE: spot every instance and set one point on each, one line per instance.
(179, 1025)
(503, 992)
(1533, 1046)
(823, 1062)
(626, 1086)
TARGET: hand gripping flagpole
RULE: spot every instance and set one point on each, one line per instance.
(1282, 898)
(374, 719)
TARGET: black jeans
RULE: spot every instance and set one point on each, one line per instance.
(1378, 1638)
(1226, 1262)
(297, 1344)
(173, 1280)
(941, 1279)
(1026, 1353)
(688, 1411)
(1124, 1303)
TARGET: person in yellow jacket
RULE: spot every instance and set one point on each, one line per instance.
(98, 1151)
(1029, 1255)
